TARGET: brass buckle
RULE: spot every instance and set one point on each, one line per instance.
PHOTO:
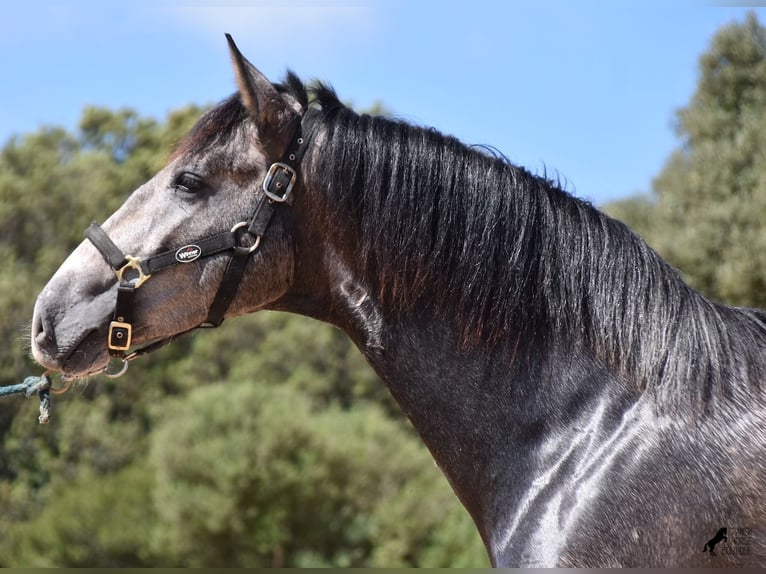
(135, 264)
(120, 335)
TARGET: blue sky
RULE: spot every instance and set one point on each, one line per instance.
(585, 89)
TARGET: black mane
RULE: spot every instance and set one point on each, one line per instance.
(510, 255)
(517, 260)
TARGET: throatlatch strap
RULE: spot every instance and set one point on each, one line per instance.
(232, 277)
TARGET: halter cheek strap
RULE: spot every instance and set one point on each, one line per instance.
(132, 272)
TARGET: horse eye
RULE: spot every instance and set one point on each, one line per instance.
(188, 182)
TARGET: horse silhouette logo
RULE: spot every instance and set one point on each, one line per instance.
(720, 536)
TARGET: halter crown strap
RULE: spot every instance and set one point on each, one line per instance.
(281, 178)
(277, 186)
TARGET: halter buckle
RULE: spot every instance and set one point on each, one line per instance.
(135, 264)
(120, 335)
(279, 181)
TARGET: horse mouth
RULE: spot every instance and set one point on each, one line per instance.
(84, 362)
(86, 356)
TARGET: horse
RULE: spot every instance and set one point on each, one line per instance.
(587, 406)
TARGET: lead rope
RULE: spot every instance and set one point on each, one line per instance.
(41, 386)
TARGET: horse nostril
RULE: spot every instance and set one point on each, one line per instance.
(44, 344)
(43, 335)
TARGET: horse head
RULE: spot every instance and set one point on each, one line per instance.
(208, 188)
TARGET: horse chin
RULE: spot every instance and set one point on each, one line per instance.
(84, 362)
(87, 358)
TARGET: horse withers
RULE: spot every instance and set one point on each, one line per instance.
(587, 406)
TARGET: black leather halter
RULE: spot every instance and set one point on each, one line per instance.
(132, 272)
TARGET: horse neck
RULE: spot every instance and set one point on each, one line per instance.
(607, 319)
(482, 411)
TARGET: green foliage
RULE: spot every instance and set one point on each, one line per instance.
(258, 475)
(221, 449)
(705, 213)
(89, 521)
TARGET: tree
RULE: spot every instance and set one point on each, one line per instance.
(705, 212)
(252, 474)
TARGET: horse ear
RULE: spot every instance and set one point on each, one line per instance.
(258, 94)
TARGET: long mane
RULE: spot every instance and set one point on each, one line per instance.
(511, 257)
(517, 260)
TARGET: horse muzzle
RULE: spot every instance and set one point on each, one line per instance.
(68, 334)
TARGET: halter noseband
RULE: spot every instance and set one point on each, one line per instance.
(133, 272)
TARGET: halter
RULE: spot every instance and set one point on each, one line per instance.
(133, 272)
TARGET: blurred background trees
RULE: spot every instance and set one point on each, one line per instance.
(705, 211)
(222, 449)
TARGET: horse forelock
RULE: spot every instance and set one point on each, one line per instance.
(216, 126)
(518, 261)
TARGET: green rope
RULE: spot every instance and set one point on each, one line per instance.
(31, 385)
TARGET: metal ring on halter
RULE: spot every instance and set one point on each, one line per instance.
(116, 374)
(64, 379)
(255, 245)
(135, 264)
